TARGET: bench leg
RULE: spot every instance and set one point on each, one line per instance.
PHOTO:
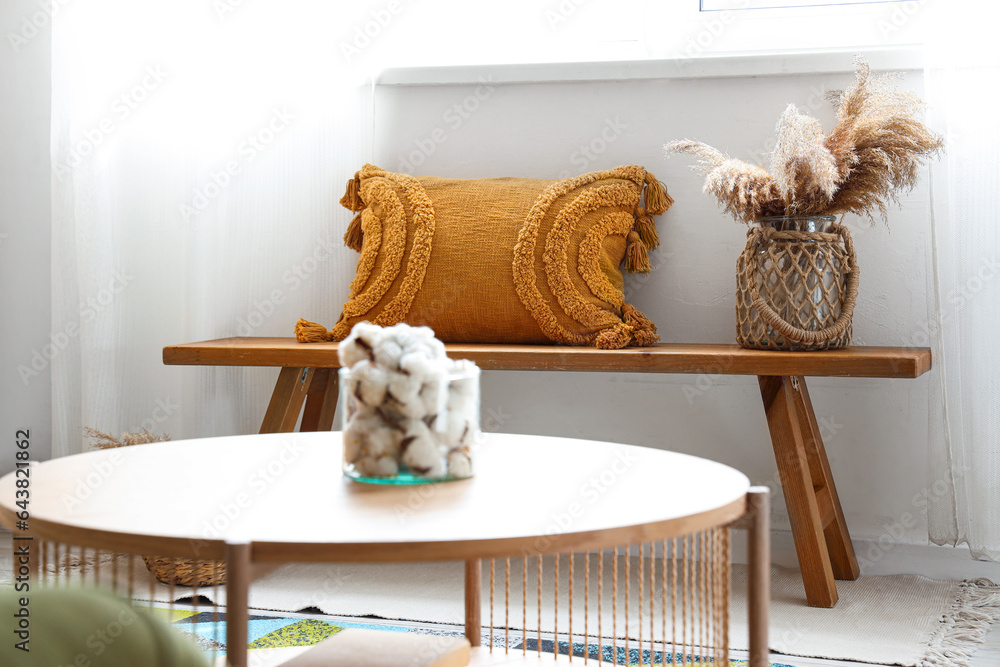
(321, 401)
(838, 539)
(788, 438)
(286, 401)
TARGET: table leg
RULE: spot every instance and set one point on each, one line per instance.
(788, 438)
(759, 574)
(286, 401)
(473, 600)
(238, 565)
(838, 539)
(321, 401)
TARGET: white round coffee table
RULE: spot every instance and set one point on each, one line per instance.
(255, 499)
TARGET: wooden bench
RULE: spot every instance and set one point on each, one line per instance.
(823, 544)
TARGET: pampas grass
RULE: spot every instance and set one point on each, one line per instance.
(104, 440)
(875, 151)
(745, 191)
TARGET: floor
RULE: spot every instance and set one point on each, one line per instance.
(988, 654)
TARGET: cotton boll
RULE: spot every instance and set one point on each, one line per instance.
(359, 344)
(460, 463)
(404, 387)
(382, 466)
(421, 452)
(356, 434)
(426, 345)
(383, 439)
(368, 383)
(433, 393)
(355, 407)
(454, 430)
(401, 333)
(354, 442)
(437, 349)
(421, 333)
(387, 353)
(419, 365)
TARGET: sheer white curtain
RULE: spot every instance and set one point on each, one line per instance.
(963, 68)
(200, 149)
(199, 152)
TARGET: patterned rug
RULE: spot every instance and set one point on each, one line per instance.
(268, 630)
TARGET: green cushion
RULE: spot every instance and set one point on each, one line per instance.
(88, 628)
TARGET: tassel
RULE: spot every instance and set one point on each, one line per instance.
(643, 328)
(657, 198)
(310, 332)
(354, 237)
(615, 338)
(636, 255)
(646, 226)
(352, 197)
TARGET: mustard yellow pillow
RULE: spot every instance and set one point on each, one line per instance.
(500, 260)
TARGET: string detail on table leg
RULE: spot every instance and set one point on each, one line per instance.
(43, 552)
(569, 588)
(663, 599)
(492, 569)
(539, 638)
(586, 607)
(628, 587)
(717, 593)
(600, 606)
(701, 594)
(172, 590)
(642, 564)
(673, 601)
(726, 558)
(152, 589)
(705, 615)
(83, 565)
(685, 590)
(131, 577)
(215, 618)
(506, 606)
(555, 604)
(114, 571)
(652, 597)
(194, 593)
(614, 606)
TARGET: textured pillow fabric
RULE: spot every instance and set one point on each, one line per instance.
(500, 260)
(69, 623)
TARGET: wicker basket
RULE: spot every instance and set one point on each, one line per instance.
(183, 572)
(796, 285)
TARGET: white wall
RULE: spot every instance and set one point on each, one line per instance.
(25, 223)
(875, 430)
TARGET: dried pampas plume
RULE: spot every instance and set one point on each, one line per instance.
(875, 150)
(104, 440)
(745, 191)
(802, 166)
(879, 144)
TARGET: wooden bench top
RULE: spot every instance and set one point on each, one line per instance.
(696, 358)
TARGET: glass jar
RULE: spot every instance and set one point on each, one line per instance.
(800, 278)
(398, 429)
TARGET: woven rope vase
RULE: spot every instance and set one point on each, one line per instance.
(796, 285)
